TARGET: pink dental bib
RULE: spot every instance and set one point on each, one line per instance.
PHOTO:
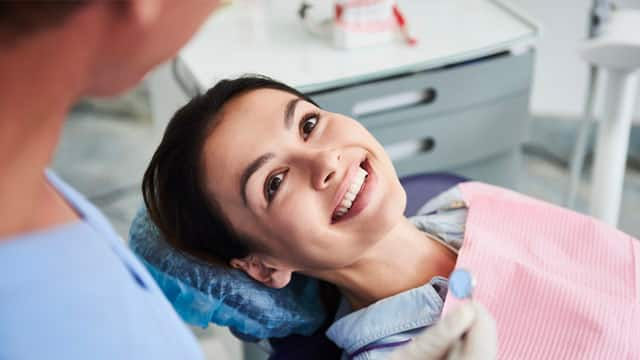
(560, 285)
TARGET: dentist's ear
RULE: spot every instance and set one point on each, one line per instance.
(145, 11)
(256, 268)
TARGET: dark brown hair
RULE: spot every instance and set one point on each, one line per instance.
(172, 186)
(20, 18)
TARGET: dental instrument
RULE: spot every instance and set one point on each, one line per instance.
(461, 284)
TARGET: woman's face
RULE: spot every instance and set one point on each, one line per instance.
(280, 169)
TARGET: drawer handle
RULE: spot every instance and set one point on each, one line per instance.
(393, 102)
(427, 144)
(409, 148)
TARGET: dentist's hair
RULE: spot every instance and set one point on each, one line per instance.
(20, 18)
(172, 185)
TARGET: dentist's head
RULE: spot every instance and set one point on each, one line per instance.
(255, 175)
(53, 53)
(115, 43)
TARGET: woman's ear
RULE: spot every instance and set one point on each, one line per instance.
(257, 269)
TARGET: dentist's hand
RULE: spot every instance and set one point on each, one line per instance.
(445, 339)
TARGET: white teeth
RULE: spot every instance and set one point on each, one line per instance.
(341, 211)
(349, 196)
(352, 193)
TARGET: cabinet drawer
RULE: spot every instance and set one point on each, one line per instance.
(454, 139)
(427, 93)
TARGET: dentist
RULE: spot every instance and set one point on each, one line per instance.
(69, 288)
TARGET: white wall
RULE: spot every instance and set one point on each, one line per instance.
(560, 78)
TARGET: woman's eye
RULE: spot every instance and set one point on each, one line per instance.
(308, 124)
(272, 185)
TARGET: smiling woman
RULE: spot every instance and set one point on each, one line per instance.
(303, 165)
(254, 175)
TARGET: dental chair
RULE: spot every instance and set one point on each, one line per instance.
(292, 320)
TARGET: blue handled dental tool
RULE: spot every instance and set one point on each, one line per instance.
(461, 284)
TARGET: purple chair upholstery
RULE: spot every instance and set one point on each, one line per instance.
(420, 188)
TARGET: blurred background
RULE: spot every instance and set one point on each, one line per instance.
(108, 142)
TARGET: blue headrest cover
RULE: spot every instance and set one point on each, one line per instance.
(203, 293)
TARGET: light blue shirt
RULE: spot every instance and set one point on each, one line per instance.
(76, 292)
(373, 332)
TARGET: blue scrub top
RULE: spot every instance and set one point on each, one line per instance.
(76, 292)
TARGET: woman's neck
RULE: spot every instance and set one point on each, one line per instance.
(405, 259)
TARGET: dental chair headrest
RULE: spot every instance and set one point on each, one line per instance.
(203, 293)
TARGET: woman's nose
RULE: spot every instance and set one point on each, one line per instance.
(325, 168)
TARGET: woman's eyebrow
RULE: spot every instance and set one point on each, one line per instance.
(290, 109)
(252, 168)
(256, 164)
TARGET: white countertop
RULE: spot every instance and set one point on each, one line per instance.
(266, 37)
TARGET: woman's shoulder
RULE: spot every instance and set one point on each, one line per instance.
(444, 217)
(388, 321)
(451, 198)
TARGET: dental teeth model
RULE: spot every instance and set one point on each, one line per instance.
(351, 194)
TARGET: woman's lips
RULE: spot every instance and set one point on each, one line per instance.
(364, 196)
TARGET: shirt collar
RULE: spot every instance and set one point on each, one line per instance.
(408, 310)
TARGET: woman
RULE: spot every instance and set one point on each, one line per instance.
(254, 175)
(292, 188)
